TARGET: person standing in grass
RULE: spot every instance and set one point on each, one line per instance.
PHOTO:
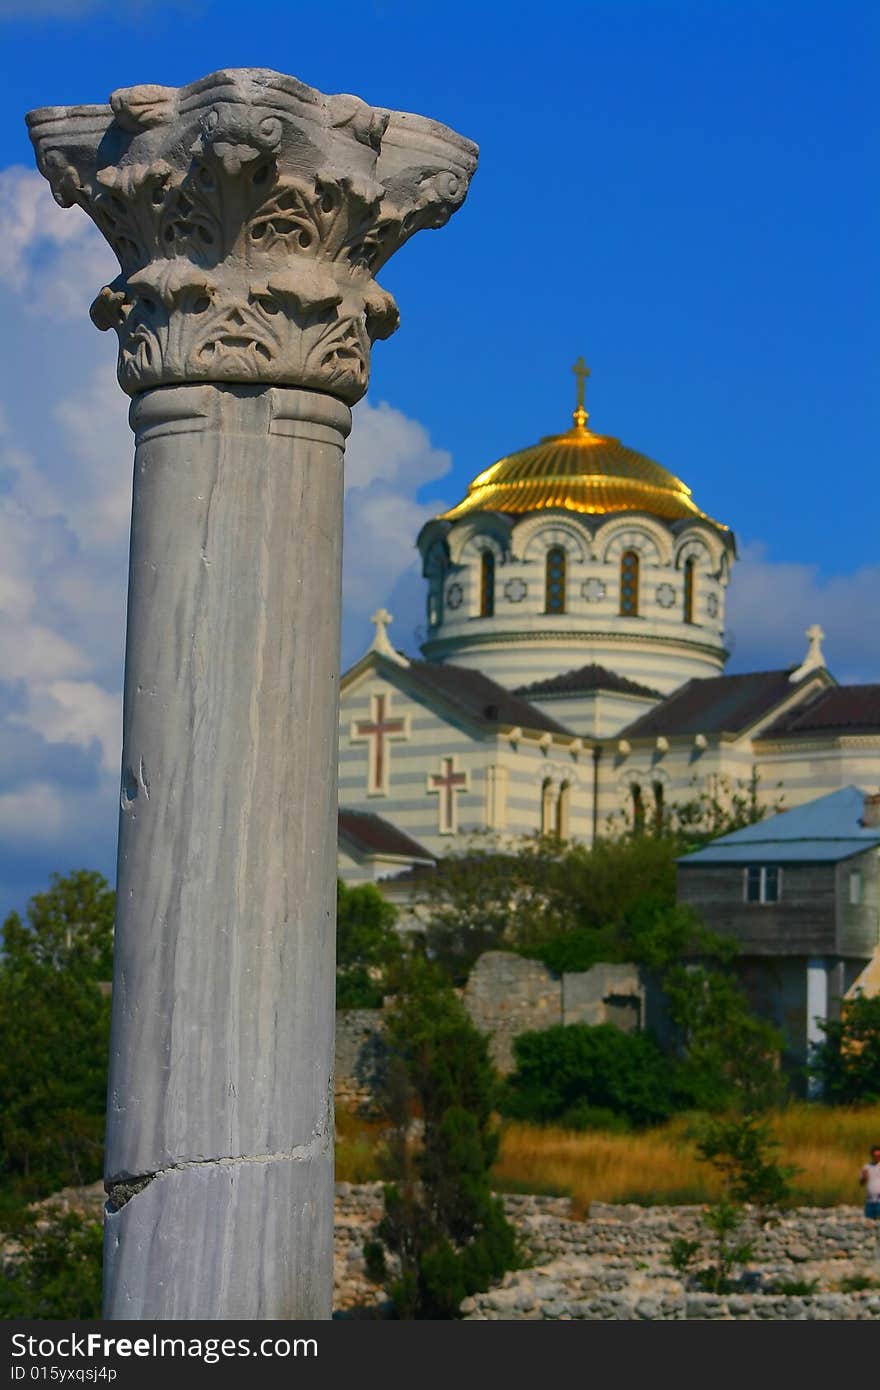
(870, 1180)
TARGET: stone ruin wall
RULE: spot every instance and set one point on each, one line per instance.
(505, 995)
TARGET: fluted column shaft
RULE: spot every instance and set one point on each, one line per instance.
(220, 1074)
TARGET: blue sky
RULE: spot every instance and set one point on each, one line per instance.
(683, 192)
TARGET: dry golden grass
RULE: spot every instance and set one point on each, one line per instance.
(656, 1166)
(660, 1165)
(358, 1147)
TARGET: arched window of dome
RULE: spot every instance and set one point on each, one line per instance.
(689, 579)
(487, 584)
(435, 605)
(638, 808)
(629, 584)
(546, 826)
(659, 808)
(563, 805)
(555, 580)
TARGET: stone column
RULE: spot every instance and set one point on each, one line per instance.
(817, 1013)
(249, 214)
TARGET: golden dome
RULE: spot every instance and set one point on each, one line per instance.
(579, 472)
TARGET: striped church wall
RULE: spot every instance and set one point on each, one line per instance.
(809, 768)
(408, 803)
(514, 665)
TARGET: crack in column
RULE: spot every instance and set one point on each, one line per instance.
(120, 1191)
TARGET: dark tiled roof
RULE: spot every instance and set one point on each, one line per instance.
(715, 705)
(371, 834)
(853, 708)
(591, 677)
(478, 697)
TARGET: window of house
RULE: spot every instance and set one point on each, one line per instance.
(487, 584)
(629, 584)
(555, 585)
(855, 887)
(688, 614)
(762, 883)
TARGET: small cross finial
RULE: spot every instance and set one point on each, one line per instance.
(380, 620)
(581, 371)
(381, 642)
(814, 659)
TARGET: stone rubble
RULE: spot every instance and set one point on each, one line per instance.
(614, 1264)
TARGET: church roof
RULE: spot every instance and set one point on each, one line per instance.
(827, 829)
(480, 698)
(585, 679)
(841, 709)
(715, 705)
(370, 834)
(579, 471)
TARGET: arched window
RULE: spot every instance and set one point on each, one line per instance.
(555, 586)
(546, 807)
(689, 566)
(563, 802)
(487, 584)
(629, 584)
(638, 808)
(658, 807)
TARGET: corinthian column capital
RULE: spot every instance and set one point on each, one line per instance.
(250, 214)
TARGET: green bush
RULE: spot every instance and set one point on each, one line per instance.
(56, 1271)
(567, 1071)
(584, 1116)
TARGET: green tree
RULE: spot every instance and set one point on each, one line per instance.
(55, 1269)
(847, 1064)
(447, 1231)
(716, 807)
(730, 1057)
(568, 905)
(743, 1149)
(367, 946)
(54, 1036)
(481, 899)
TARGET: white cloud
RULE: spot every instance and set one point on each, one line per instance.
(78, 712)
(35, 811)
(386, 446)
(52, 257)
(96, 431)
(771, 603)
(389, 459)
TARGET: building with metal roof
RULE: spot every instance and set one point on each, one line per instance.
(799, 893)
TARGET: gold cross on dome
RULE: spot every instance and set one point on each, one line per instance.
(581, 371)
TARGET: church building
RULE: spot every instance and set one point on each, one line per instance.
(572, 679)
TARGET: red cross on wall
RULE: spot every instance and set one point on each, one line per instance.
(446, 784)
(377, 731)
